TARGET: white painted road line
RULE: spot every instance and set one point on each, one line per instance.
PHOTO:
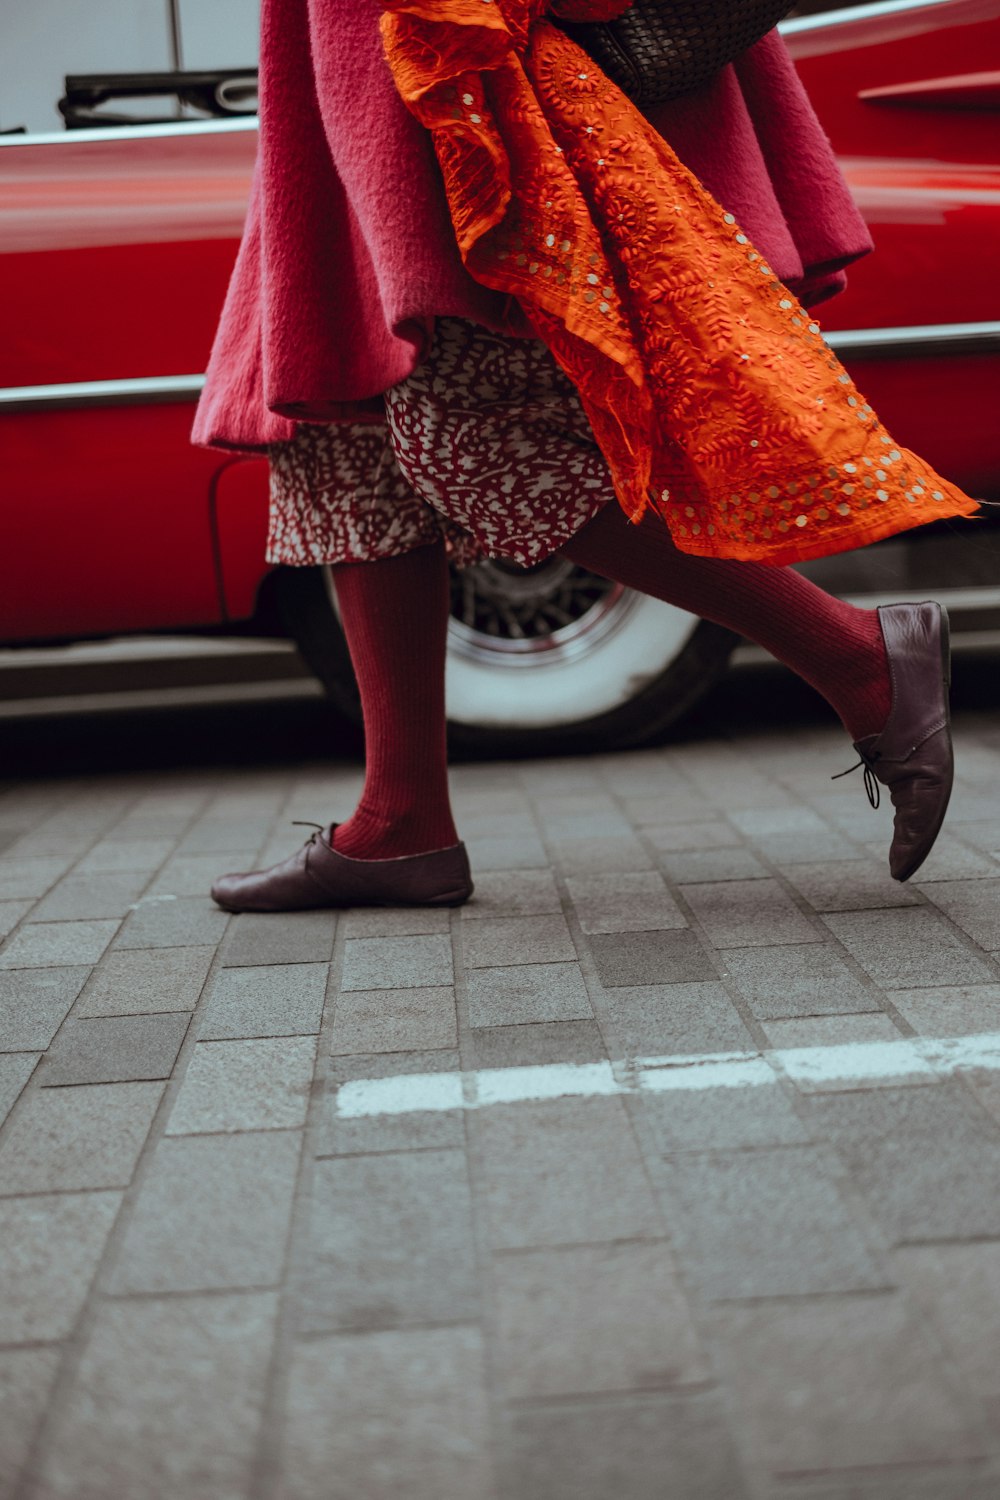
(858, 1062)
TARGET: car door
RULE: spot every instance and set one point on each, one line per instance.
(115, 249)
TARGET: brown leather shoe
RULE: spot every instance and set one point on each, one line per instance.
(913, 754)
(317, 876)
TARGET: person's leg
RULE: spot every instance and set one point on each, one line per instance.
(395, 617)
(834, 646)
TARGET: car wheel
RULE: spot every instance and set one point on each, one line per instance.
(540, 660)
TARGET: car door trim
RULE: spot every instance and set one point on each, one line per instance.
(851, 344)
(843, 17)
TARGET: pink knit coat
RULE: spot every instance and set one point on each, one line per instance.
(348, 252)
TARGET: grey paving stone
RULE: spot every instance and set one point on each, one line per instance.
(412, 1419)
(573, 819)
(844, 1383)
(390, 1243)
(94, 896)
(645, 1448)
(558, 1173)
(558, 777)
(162, 922)
(675, 838)
(973, 905)
(512, 893)
(985, 1085)
(269, 1000)
(680, 804)
(624, 903)
(950, 1011)
(194, 874)
(212, 1214)
(397, 963)
(15, 1070)
(39, 945)
(592, 1319)
(797, 981)
(225, 836)
(961, 1481)
(982, 830)
(114, 1049)
(258, 1084)
(30, 876)
(409, 1132)
(766, 1223)
(801, 848)
(958, 1289)
(75, 1138)
(535, 1044)
(112, 855)
(927, 1159)
(34, 1003)
(907, 949)
(496, 941)
(143, 981)
(484, 824)
(506, 851)
(622, 852)
(749, 914)
(279, 938)
(640, 958)
(11, 912)
(394, 1020)
(661, 1019)
(764, 822)
(952, 860)
(696, 866)
(50, 1246)
(850, 885)
(716, 1120)
(388, 921)
(26, 1380)
(187, 1427)
(821, 1032)
(527, 992)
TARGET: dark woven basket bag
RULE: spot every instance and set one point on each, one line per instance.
(661, 48)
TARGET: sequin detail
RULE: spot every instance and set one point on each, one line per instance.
(701, 374)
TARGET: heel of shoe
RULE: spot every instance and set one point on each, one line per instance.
(945, 646)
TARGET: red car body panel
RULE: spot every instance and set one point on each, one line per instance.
(116, 250)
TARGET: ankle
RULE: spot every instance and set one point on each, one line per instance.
(866, 700)
(397, 835)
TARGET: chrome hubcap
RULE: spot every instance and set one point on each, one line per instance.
(503, 613)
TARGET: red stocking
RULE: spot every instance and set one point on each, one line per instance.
(837, 648)
(395, 618)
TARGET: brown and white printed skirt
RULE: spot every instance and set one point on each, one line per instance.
(486, 443)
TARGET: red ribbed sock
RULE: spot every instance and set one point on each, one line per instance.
(395, 618)
(835, 647)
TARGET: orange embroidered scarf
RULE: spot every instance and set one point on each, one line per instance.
(710, 389)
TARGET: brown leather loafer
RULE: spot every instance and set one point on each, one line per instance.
(913, 754)
(317, 876)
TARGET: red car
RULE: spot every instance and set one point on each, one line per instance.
(117, 243)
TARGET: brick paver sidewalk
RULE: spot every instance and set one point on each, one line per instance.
(241, 1260)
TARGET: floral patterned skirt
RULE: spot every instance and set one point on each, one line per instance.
(485, 444)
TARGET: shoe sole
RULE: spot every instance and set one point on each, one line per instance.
(945, 625)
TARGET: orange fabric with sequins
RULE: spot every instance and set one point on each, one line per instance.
(709, 388)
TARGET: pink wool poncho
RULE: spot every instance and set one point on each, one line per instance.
(349, 254)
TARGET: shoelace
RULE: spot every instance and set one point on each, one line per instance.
(871, 783)
(297, 823)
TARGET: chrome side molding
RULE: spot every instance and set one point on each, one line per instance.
(912, 343)
(141, 391)
(925, 340)
(855, 13)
